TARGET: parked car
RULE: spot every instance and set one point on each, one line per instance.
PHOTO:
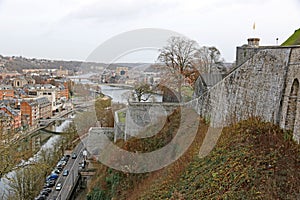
(82, 164)
(43, 192)
(58, 186)
(56, 171)
(49, 184)
(47, 190)
(40, 197)
(65, 173)
(65, 158)
(52, 177)
(62, 162)
(60, 165)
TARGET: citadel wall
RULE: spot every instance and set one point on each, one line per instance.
(261, 86)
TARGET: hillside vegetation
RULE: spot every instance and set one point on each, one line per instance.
(252, 160)
(293, 39)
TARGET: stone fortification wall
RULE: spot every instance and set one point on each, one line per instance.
(290, 115)
(253, 89)
(140, 116)
(264, 85)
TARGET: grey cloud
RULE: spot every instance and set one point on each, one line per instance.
(120, 10)
(297, 2)
(239, 2)
(129, 42)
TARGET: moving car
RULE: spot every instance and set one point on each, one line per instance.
(65, 173)
(58, 186)
(74, 156)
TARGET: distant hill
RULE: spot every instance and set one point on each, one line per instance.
(293, 39)
(17, 63)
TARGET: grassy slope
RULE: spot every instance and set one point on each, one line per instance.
(293, 39)
(110, 183)
(252, 160)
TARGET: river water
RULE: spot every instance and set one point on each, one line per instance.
(118, 95)
(121, 95)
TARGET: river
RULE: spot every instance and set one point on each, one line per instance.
(118, 94)
(121, 95)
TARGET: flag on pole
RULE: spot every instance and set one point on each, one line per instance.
(254, 26)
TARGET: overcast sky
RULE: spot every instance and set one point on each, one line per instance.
(72, 29)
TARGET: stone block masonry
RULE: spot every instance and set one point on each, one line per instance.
(261, 86)
(290, 115)
(141, 116)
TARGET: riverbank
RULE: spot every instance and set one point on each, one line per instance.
(122, 86)
(39, 148)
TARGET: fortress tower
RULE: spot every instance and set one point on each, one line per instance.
(253, 42)
(246, 51)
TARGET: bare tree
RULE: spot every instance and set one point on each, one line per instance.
(27, 182)
(104, 111)
(209, 60)
(142, 92)
(178, 55)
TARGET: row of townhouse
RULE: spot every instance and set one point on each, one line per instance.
(23, 107)
(24, 114)
(6, 91)
(14, 116)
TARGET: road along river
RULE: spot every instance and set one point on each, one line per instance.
(38, 141)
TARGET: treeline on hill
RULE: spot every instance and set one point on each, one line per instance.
(20, 63)
(252, 160)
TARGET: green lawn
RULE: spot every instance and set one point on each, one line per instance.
(187, 93)
(122, 117)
